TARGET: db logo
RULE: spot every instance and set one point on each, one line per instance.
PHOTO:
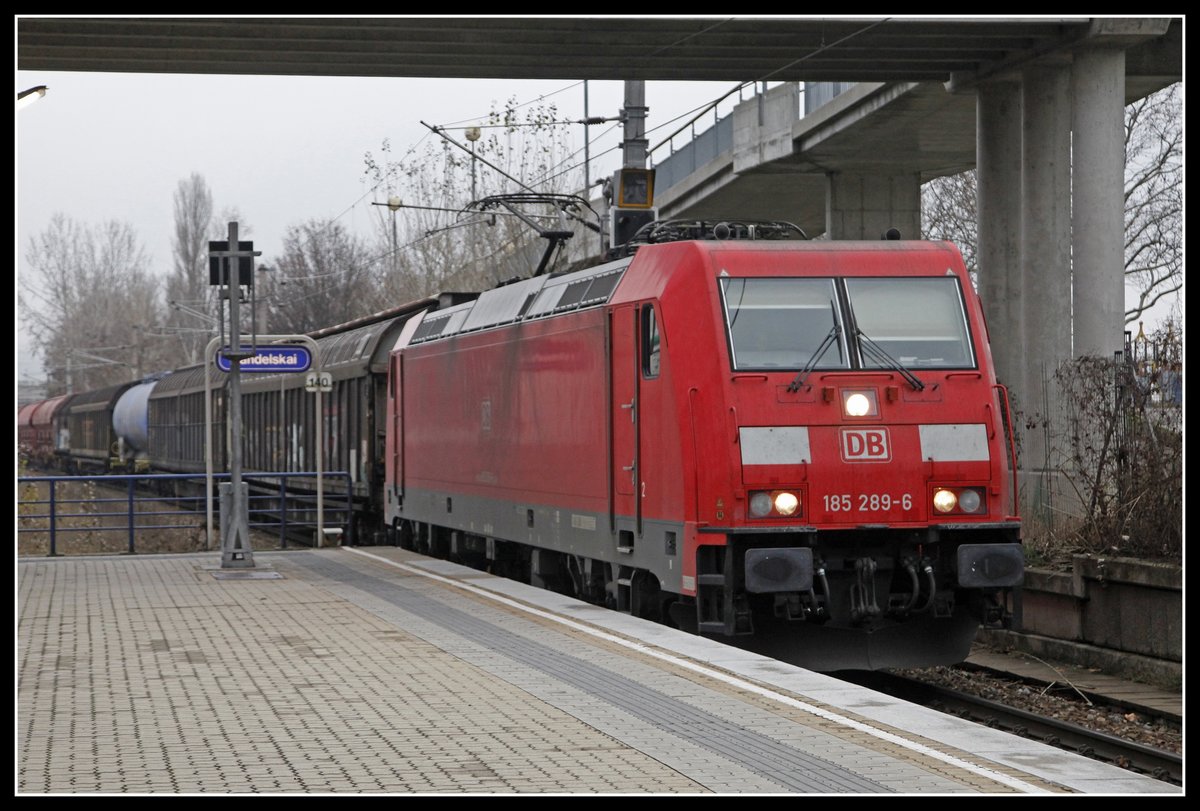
(866, 445)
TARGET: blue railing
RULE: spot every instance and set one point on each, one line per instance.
(271, 505)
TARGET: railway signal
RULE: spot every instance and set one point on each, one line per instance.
(236, 551)
(633, 203)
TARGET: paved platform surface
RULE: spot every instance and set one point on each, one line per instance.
(379, 671)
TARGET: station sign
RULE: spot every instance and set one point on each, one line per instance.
(272, 359)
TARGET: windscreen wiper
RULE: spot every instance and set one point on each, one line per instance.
(886, 361)
(829, 341)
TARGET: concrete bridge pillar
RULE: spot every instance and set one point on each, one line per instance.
(1098, 185)
(1045, 273)
(1050, 161)
(864, 206)
(998, 164)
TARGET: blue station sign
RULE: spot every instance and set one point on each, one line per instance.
(273, 358)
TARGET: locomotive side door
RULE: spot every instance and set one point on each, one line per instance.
(395, 428)
(624, 461)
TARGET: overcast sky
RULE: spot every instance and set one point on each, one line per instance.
(283, 150)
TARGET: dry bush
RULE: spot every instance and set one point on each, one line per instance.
(1119, 443)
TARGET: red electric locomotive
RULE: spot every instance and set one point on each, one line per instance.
(799, 446)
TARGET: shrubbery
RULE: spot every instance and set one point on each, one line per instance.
(1118, 445)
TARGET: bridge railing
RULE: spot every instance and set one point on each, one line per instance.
(167, 511)
(701, 149)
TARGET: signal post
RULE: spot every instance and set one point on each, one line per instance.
(236, 551)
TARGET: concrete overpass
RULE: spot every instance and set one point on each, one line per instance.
(733, 48)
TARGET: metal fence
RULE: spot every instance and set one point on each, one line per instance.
(129, 506)
(1158, 365)
(703, 148)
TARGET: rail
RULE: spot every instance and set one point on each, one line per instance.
(45, 504)
(1131, 755)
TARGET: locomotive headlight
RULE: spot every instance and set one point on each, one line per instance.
(969, 501)
(857, 405)
(786, 503)
(760, 505)
(944, 500)
(774, 504)
(861, 403)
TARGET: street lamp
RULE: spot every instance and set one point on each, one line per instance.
(27, 97)
(393, 203)
(472, 134)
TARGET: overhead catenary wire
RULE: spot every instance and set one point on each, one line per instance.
(695, 113)
(389, 173)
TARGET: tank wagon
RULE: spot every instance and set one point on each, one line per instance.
(131, 424)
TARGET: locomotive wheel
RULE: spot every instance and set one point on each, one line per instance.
(647, 599)
(404, 534)
(682, 615)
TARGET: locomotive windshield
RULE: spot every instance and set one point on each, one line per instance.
(782, 323)
(917, 322)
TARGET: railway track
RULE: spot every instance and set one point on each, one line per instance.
(1158, 763)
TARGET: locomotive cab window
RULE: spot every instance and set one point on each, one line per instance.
(783, 323)
(921, 322)
(651, 343)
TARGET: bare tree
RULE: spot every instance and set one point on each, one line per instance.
(91, 305)
(1154, 198)
(445, 236)
(188, 292)
(324, 276)
(220, 224)
(949, 211)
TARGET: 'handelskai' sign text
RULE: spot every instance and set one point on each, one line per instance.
(270, 359)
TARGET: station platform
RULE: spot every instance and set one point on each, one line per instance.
(376, 670)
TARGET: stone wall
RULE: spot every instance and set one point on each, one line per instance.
(1120, 615)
